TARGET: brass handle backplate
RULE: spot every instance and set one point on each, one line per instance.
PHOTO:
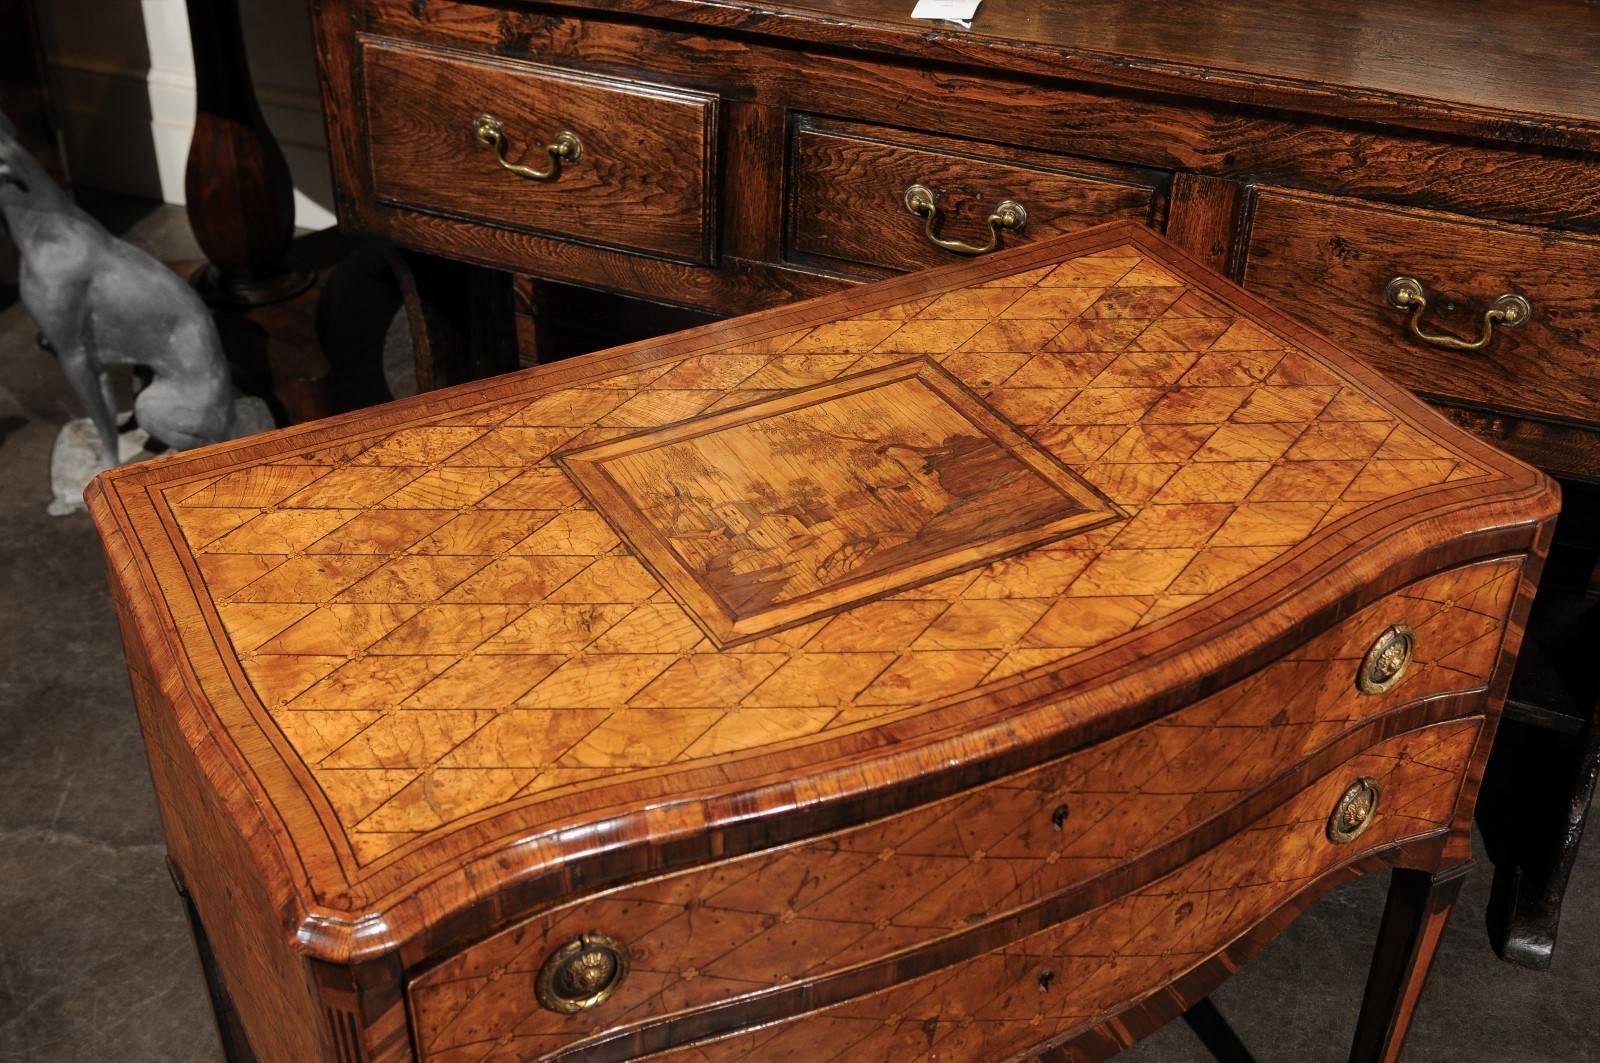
(1009, 216)
(1386, 662)
(582, 973)
(1406, 293)
(565, 148)
(1355, 811)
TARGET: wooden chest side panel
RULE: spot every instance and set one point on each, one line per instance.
(268, 982)
(804, 911)
(1079, 972)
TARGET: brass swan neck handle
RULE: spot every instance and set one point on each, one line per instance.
(1406, 293)
(565, 148)
(1008, 216)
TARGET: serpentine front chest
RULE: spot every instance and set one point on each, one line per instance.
(973, 664)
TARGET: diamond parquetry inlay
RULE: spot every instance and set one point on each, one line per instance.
(439, 621)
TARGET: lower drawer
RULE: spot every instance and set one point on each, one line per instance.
(1063, 980)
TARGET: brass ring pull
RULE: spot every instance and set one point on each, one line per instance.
(1387, 660)
(582, 973)
(566, 148)
(1405, 293)
(1010, 216)
(1356, 809)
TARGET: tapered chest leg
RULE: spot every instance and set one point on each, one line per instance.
(1414, 919)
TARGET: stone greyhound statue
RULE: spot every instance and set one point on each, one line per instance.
(102, 303)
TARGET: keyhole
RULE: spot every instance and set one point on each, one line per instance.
(1058, 818)
(1046, 976)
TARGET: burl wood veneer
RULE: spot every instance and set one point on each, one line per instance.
(983, 660)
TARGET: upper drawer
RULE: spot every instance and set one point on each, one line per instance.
(639, 157)
(1330, 260)
(809, 910)
(848, 189)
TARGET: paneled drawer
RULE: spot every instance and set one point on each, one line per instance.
(1330, 260)
(640, 158)
(809, 910)
(1047, 986)
(848, 187)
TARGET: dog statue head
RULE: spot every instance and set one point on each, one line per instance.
(23, 179)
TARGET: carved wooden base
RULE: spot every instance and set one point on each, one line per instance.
(220, 289)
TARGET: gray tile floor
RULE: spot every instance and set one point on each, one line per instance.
(96, 962)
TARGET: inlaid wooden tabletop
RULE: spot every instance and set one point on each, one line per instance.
(915, 520)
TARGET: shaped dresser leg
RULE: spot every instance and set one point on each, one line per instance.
(1414, 919)
(235, 1046)
(460, 317)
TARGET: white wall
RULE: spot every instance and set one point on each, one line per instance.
(124, 77)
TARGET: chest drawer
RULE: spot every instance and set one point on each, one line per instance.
(618, 164)
(1330, 261)
(810, 910)
(850, 186)
(1043, 989)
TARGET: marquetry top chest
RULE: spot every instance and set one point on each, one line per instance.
(935, 669)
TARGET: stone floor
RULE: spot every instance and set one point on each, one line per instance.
(96, 962)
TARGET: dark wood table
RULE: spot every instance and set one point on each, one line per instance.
(728, 156)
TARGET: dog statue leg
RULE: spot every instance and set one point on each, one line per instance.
(84, 376)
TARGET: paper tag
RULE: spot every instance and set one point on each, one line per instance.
(950, 10)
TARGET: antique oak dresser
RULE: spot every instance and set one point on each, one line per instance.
(976, 664)
(728, 155)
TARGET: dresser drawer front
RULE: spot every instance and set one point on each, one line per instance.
(847, 195)
(702, 936)
(638, 165)
(1077, 973)
(1330, 261)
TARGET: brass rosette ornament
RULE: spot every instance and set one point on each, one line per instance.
(582, 973)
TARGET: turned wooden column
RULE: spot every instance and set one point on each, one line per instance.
(241, 198)
(241, 208)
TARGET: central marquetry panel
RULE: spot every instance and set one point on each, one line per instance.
(768, 515)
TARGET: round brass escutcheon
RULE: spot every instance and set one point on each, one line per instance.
(1354, 813)
(1386, 662)
(582, 973)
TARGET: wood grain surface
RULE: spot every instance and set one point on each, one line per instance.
(1349, 251)
(443, 668)
(847, 187)
(1429, 67)
(985, 102)
(642, 180)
